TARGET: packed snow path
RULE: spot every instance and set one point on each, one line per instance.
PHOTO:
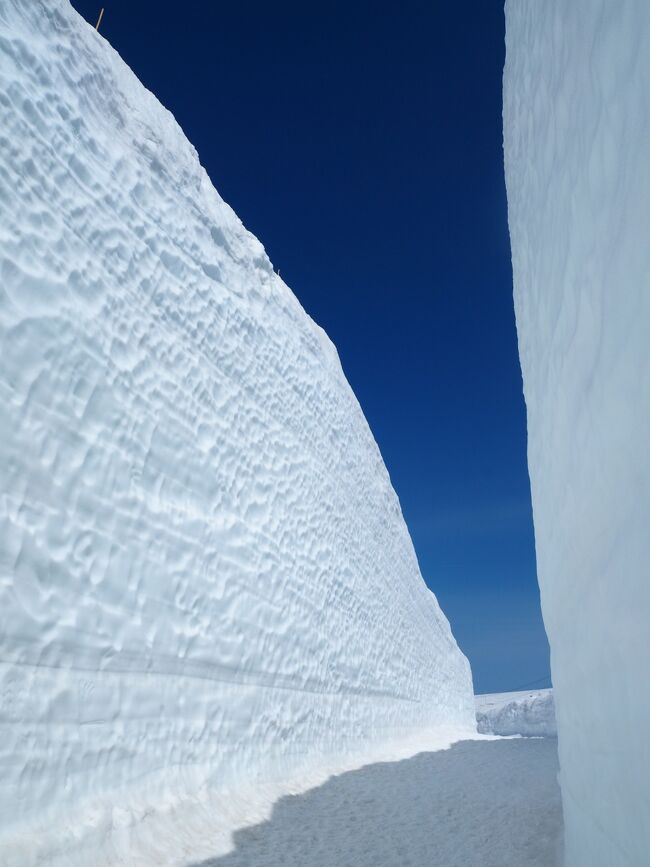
(486, 803)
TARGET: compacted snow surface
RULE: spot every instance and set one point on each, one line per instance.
(577, 157)
(206, 583)
(491, 803)
(517, 713)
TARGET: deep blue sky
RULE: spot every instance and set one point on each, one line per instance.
(361, 142)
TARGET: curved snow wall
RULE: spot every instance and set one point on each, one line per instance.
(205, 573)
(576, 129)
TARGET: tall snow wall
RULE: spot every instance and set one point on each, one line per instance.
(577, 156)
(205, 576)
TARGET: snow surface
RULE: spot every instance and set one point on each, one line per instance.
(517, 713)
(577, 146)
(206, 583)
(489, 803)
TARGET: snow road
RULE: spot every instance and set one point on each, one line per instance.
(480, 803)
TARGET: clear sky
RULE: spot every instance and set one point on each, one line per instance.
(361, 142)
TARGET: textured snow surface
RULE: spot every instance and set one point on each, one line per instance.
(481, 803)
(517, 713)
(205, 575)
(577, 154)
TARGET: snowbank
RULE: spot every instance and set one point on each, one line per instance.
(206, 582)
(576, 120)
(517, 713)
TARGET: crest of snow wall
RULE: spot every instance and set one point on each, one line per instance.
(204, 565)
(577, 145)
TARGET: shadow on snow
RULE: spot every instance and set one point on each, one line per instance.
(477, 804)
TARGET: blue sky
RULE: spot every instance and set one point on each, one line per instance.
(361, 142)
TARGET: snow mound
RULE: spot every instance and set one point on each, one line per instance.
(205, 580)
(517, 713)
(576, 121)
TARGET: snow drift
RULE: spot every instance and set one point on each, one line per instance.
(576, 121)
(205, 573)
(531, 714)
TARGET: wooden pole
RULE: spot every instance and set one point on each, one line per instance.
(99, 20)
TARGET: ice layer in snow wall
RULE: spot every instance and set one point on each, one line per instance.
(204, 567)
(577, 155)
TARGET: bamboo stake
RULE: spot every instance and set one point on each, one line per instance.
(99, 20)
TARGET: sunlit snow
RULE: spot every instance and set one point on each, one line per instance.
(207, 588)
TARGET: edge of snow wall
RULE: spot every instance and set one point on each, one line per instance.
(576, 138)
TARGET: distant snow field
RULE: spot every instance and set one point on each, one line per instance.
(517, 713)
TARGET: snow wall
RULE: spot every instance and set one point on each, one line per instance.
(531, 714)
(205, 576)
(577, 156)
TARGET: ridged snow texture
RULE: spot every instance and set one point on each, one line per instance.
(577, 151)
(204, 563)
